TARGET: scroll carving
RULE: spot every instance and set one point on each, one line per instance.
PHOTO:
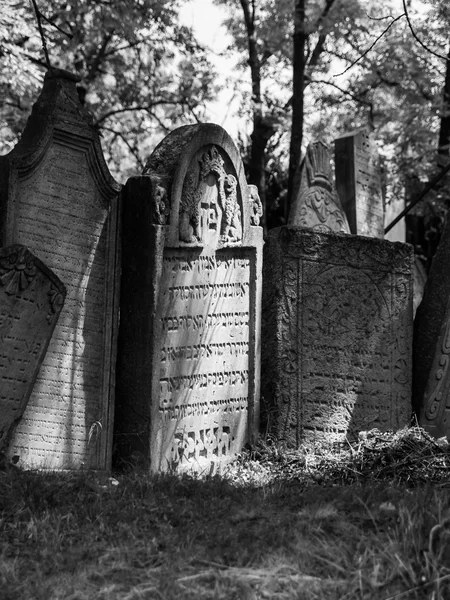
(224, 213)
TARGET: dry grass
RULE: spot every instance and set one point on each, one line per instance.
(368, 522)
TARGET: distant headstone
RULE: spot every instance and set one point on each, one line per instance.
(358, 183)
(188, 362)
(431, 383)
(58, 198)
(317, 205)
(31, 298)
(337, 335)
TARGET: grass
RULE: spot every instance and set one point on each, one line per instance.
(368, 522)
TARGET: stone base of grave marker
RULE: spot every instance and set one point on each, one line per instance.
(337, 335)
(188, 358)
(31, 298)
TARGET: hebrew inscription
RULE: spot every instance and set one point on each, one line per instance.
(338, 334)
(31, 299)
(204, 373)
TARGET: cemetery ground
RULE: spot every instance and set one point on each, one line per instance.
(369, 521)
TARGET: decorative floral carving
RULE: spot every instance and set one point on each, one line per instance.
(194, 187)
(256, 209)
(17, 270)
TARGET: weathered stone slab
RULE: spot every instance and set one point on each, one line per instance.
(188, 361)
(31, 298)
(358, 183)
(317, 205)
(337, 335)
(431, 383)
(58, 198)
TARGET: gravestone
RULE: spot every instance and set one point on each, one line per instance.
(431, 381)
(188, 360)
(317, 205)
(31, 298)
(358, 183)
(337, 335)
(58, 198)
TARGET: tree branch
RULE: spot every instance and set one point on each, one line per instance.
(41, 33)
(371, 46)
(416, 37)
(146, 107)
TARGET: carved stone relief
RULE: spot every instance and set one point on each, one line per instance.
(317, 205)
(337, 330)
(31, 299)
(200, 211)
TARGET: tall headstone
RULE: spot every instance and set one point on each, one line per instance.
(337, 335)
(431, 382)
(31, 298)
(358, 183)
(188, 363)
(58, 198)
(317, 205)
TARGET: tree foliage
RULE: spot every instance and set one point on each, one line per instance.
(142, 72)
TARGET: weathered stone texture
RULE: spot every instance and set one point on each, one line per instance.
(317, 205)
(358, 183)
(337, 335)
(58, 198)
(31, 298)
(431, 384)
(188, 368)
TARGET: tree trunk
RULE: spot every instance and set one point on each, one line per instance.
(299, 60)
(263, 128)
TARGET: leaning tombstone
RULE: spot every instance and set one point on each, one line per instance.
(358, 183)
(317, 205)
(58, 198)
(431, 383)
(337, 335)
(188, 359)
(31, 299)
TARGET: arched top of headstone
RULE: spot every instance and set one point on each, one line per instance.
(59, 115)
(317, 205)
(199, 183)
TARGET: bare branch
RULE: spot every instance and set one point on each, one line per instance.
(355, 97)
(416, 37)
(41, 33)
(133, 150)
(146, 107)
(371, 46)
(53, 24)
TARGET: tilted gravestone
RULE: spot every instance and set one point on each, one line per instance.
(337, 335)
(431, 382)
(58, 198)
(317, 205)
(31, 298)
(188, 360)
(358, 183)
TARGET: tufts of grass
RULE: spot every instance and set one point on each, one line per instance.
(359, 523)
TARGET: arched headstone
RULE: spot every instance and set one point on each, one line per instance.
(188, 365)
